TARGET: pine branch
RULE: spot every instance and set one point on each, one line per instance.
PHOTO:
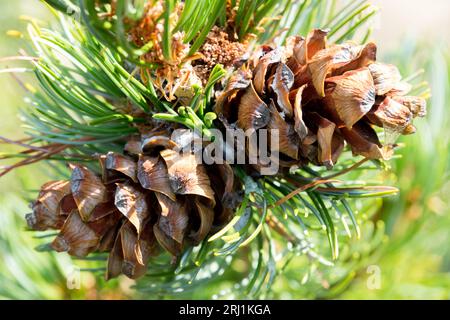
(97, 88)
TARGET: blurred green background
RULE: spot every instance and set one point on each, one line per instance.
(414, 258)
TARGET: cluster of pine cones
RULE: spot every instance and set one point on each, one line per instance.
(319, 97)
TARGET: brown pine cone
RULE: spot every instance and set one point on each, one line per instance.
(320, 97)
(154, 196)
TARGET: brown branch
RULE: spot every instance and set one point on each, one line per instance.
(300, 189)
(276, 225)
(21, 144)
(356, 165)
(46, 153)
(33, 159)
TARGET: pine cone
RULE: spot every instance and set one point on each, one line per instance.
(152, 195)
(320, 97)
